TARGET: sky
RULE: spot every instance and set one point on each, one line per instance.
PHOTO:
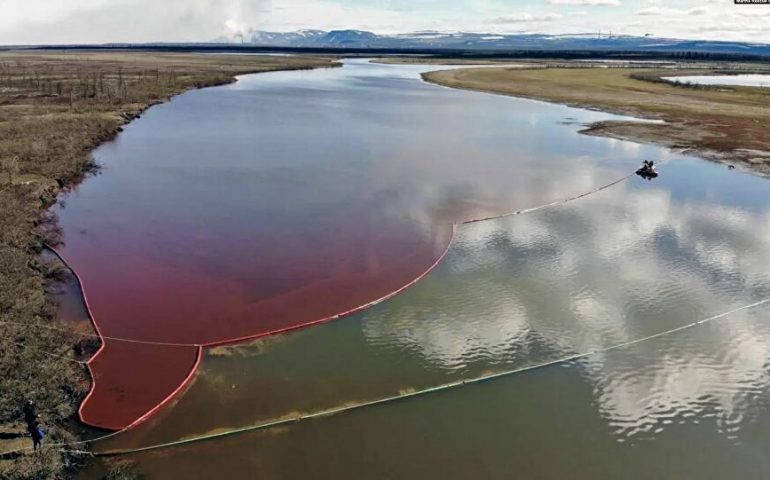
(104, 21)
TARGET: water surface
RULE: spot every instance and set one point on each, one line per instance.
(747, 80)
(630, 261)
(289, 197)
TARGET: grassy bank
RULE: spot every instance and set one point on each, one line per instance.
(727, 124)
(54, 109)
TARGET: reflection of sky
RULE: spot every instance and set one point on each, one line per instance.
(634, 260)
(369, 137)
(715, 373)
(751, 80)
(716, 188)
(628, 262)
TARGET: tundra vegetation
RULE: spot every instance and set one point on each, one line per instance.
(54, 109)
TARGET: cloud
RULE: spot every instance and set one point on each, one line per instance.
(525, 18)
(649, 11)
(657, 10)
(752, 13)
(606, 280)
(102, 21)
(601, 3)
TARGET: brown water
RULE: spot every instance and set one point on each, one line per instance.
(630, 261)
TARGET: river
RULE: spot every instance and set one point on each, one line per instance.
(745, 80)
(287, 196)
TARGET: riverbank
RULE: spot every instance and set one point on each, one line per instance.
(723, 124)
(55, 108)
(429, 60)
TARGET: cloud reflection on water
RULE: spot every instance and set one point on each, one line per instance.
(626, 263)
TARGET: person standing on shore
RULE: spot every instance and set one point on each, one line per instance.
(30, 412)
(33, 424)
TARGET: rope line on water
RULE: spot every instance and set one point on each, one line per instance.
(404, 396)
(393, 398)
(346, 408)
(98, 333)
(101, 336)
(199, 346)
(552, 204)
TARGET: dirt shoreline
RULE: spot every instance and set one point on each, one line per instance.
(721, 124)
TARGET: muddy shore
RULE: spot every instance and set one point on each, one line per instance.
(722, 124)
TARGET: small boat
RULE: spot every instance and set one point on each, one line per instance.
(647, 170)
(647, 173)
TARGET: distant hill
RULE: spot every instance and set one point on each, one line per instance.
(475, 45)
(358, 39)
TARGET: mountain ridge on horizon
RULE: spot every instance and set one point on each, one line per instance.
(353, 38)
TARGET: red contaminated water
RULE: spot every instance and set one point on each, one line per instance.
(148, 301)
(283, 200)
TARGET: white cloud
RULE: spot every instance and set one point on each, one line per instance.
(657, 10)
(102, 21)
(604, 3)
(650, 11)
(123, 20)
(629, 237)
(526, 18)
